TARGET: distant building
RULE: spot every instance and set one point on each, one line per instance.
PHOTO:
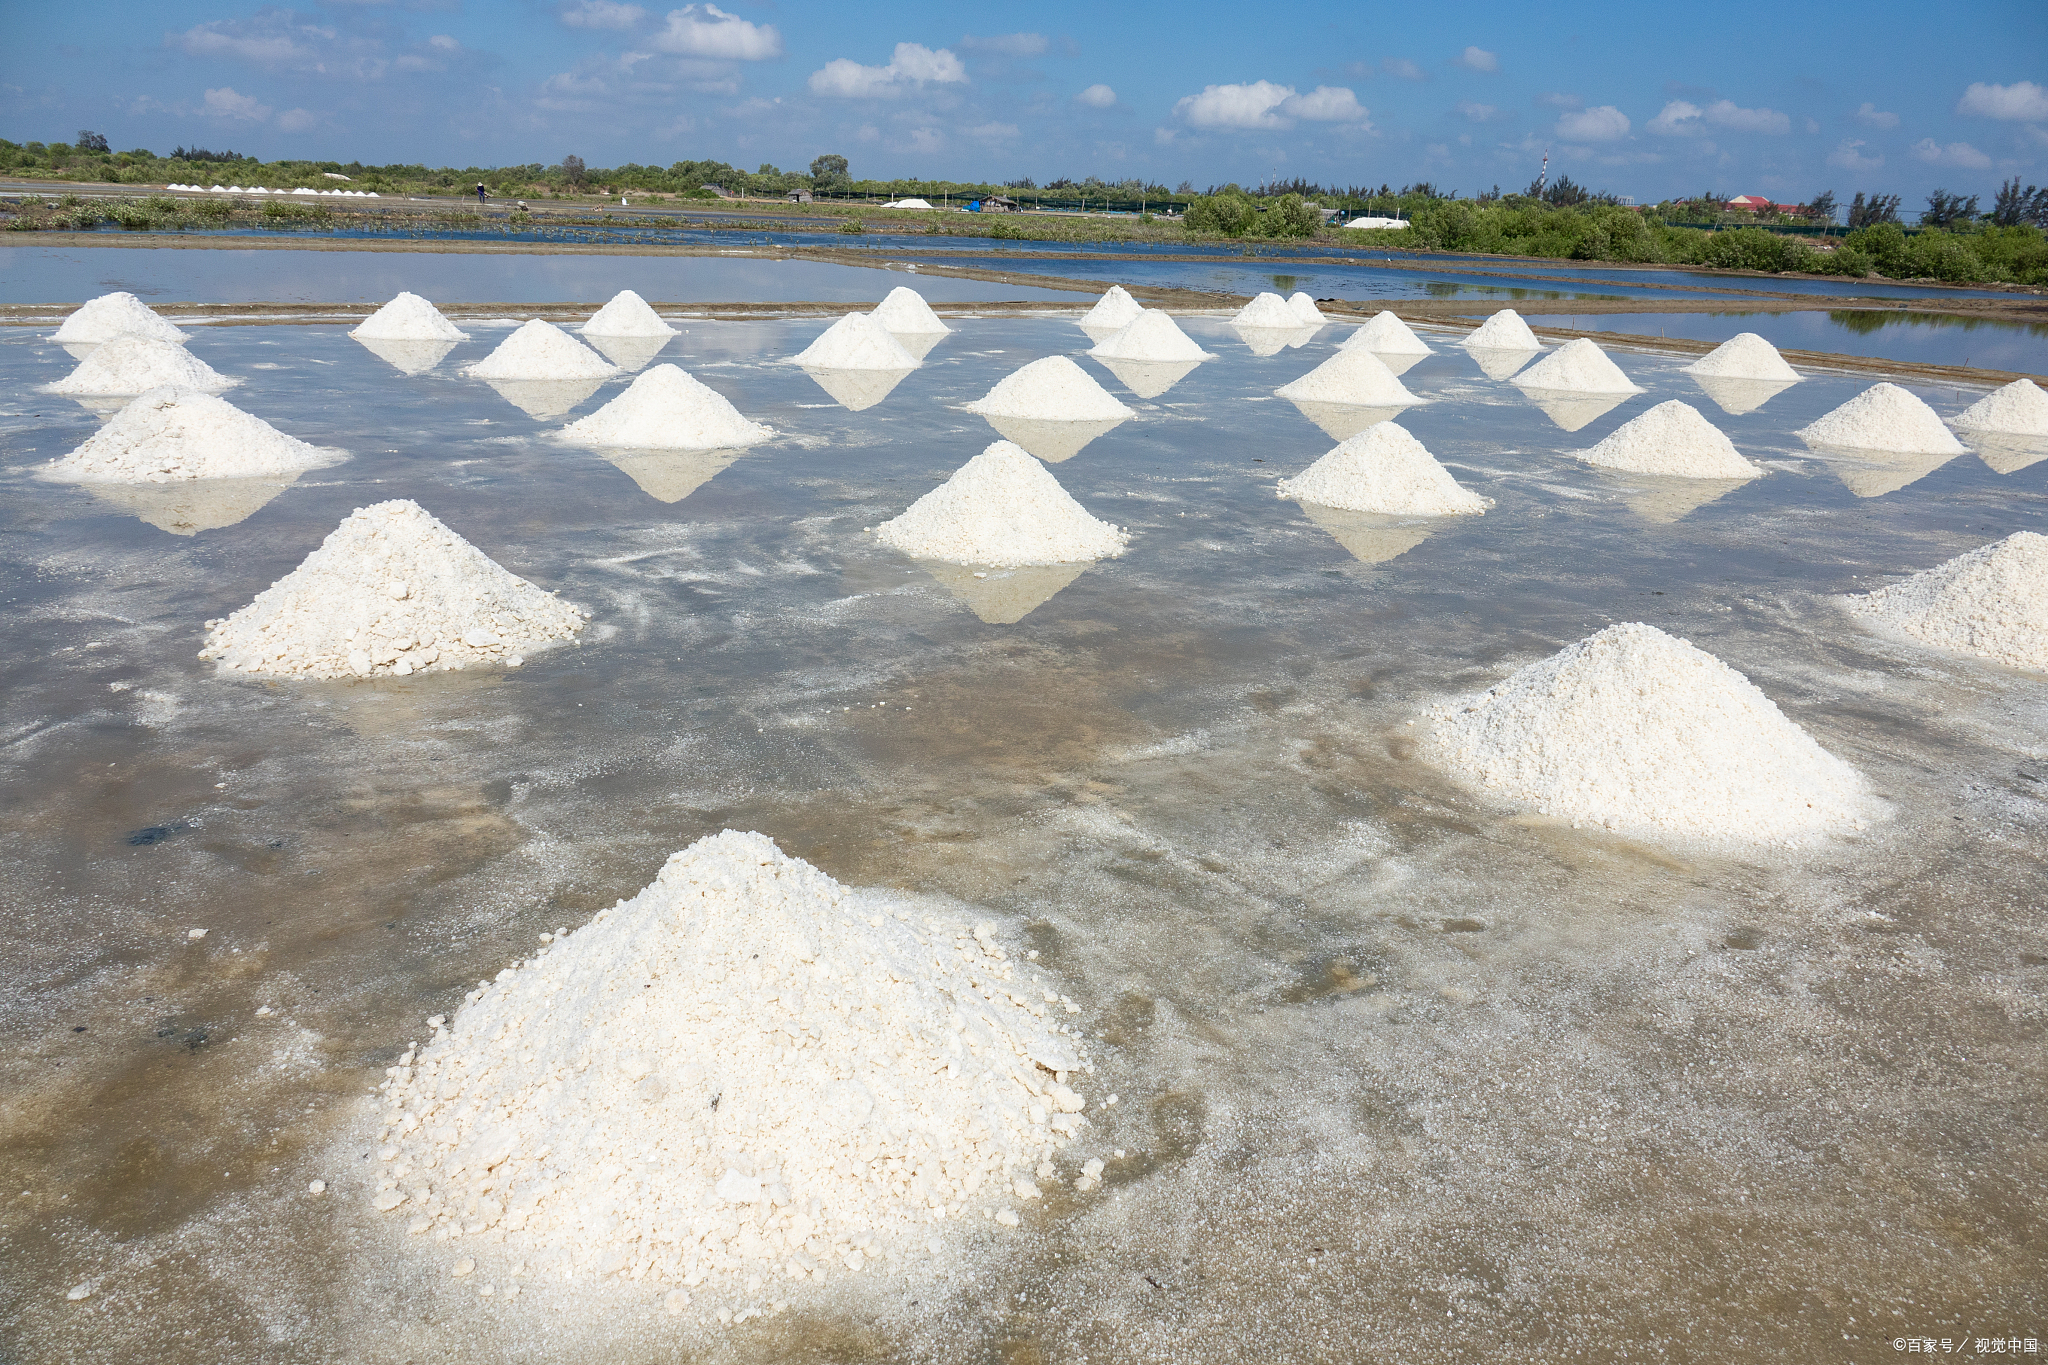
(1756, 203)
(721, 191)
(799, 196)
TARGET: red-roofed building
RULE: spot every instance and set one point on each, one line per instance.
(1752, 202)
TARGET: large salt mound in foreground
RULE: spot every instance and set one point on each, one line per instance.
(1052, 389)
(2018, 409)
(1383, 469)
(1743, 356)
(135, 365)
(905, 311)
(1672, 438)
(1116, 309)
(390, 591)
(744, 1077)
(170, 435)
(1268, 310)
(1883, 417)
(1356, 377)
(115, 315)
(1002, 509)
(1153, 336)
(541, 350)
(408, 317)
(856, 342)
(627, 315)
(1504, 331)
(667, 409)
(1385, 334)
(1576, 367)
(1646, 735)
(1991, 602)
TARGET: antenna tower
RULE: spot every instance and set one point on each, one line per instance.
(1543, 178)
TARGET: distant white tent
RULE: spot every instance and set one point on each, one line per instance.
(1370, 222)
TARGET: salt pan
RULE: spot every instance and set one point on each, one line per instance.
(905, 311)
(1991, 602)
(1304, 306)
(1576, 367)
(1357, 377)
(856, 342)
(1152, 336)
(1744, 356)
(627, 315)
(541, 350)
(1672, 438)
(1054, 388)
(1267, 310)
(169, 435)
(1504, 331)
(134, 365)
(1383, 469)
(1115, 310)
(115, 315)
(1385, 334)
(408, 317)
(2018, 409)
(1883, 417)
(1003, 509)
(667, 409)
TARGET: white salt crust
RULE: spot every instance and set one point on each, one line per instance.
(541, 350)
(1991, 602)
(115, 315)
(666, 409)
(905, 311)
(2018, 409)
(1052, 389)
(1638, 732)
(1883, 417)
(1504, 331)
(1576, 367)
(627, 315)
(1267, 310)
(1357, 377)
(1116, 308)
(1153, 336)
(1002, 509)
(170, 435)
(1383, 469)
(1744, 356)
(1672, 438)
(1304, 306)
(408, 317)
(1385, 334)
(856, 342)
(391, 591)
(744, 1078)
(132, 364)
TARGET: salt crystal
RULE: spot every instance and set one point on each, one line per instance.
(1383, 469)
(1883, 417)
(1991, 602)
(1504, 331)
(1672, 438)
(1385, 334)
(1267, 310)
(1743, 356)
(135, 365)
(172, 434)
(856, 342)
(1001, 508)
(316, 1187)
(667, 409)
(541, 350)
(627, 315)
(905, 312)
(1576, 367)
(408, 317)
(1054, 388)
(1152, 336)
(1355, 377)
(2018, 409)
(115, 315)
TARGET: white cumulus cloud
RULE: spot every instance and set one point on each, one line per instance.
(2022, 101)
(1405, 69)
(296, 120)
(1097, 96)
(1478, 113)
(1601, 123)
(912, 64)
(1679, 118)
(1849, 156)
(1729, 114)
(603, 14)
(1870, 116)
(1478, 59)
(708, 31)
(1955, 154)
(279, 46)
(227, 102)
(1325, 104)
(1263, 104)
(1007, 44)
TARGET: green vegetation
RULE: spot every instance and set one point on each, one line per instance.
(1231, 212)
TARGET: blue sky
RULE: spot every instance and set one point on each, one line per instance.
(1739, 97)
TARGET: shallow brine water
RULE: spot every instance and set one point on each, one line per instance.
(1402, 1074)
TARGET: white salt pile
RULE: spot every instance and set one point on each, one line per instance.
(2018, 409)
(905, 311)
(541, 350)
(1883, 417)
(744, 1077)
(1115, 310)
(1991, 602)
(1504, 331)
(666, 409)
(1304, 306)
(408, 317)
(1002, 508)
(627, 315)
(856, 342)
(1672, 438)
(133, 364)
(168, 435)
(1646, 735)
(1383, 469)
(390, 591)
(1052, 389)
(114, 315)
(1576, 367)
(1267, 310)
(1744, 356)
(1386, 334)
(1152, 336)
(1358, 377)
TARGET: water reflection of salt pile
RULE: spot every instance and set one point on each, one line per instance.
(1051, 408)
(857, 361)
(1497, 363)
(407, 357)
(1665, 498)
(1572, 411)
(1342, 421)
(670, 475)
(1738, 396)
(1370, 537)
(544, 399)
(194, 505)
(1881, 440)
(1003, 597)
(628, 353)
(1270, 341)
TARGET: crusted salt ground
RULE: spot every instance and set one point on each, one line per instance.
(1672, 438)
(2018, 409)
(1576, 367)
(1639, 732)
(1991, 602)
(1304, 306)
(627, 315)
(133, 364)
(1744, 356)
(1002, 509)
(541, 350)
(905, 311)
(667, 409)
(1153, 336)
(1385, 334)
(115, 315)
(1883, 417)
(1504, 331)
(408, 317)
(856, 342)
(1115, 309)
(1358, 377)
(1052, 389)
(390, 591)
(1383, 469)
(797, 1080)
(170, 435)
(1267, 310)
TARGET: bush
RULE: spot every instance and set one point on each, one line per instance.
(1753, 248)
(132, 217)
(853, 227)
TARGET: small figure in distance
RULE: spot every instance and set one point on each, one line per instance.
(522, 206)
(479, 194)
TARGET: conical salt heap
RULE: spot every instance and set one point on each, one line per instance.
(1304, 306)
(1646, 735)
(408, 317)
(1001, 509)
(666, 409)
(172, 435)
(627, 315)
(135, 365)
(1152, 336)
(1114, 311)
(1385, 334)
(1052, 389)
(2018, 409)
(905, 311)
(1576, 367)
(1991, 602)
(391, 591)
(1383, 469)
(1268, 310)
(855, 342)
(540, 350)
(802, 1079)
(1744, 356)
(1504, 331)
(115, 315)
(1357, 377)
(1672, 438)
(1883, 417)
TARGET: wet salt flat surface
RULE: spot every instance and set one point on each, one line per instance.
(1402, 1074)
